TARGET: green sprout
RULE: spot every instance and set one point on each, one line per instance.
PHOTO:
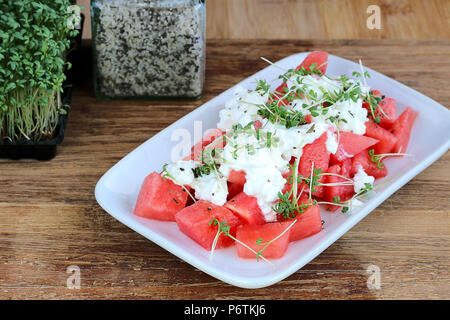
(34, 41)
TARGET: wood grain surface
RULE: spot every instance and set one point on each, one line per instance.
(321, 19)
(49, 219)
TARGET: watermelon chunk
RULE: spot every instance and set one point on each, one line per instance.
(308, 118)
(351, 144)
(237, 177)
(246, 207)
(320, 58)
(195, 222)
(369, 167)
(190, 200)
(333, 192)
(251, 234)
(318, 154)
(346, 171)
(258, 124)
(160, 198)
(386, 140)
(307, 224)
(388, 115)
(401, 129)
(377, 92)
(208, 138)
(234, 189)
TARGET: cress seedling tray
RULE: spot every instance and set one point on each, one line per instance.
(46, 149)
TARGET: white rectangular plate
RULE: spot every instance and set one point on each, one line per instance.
(118, 189)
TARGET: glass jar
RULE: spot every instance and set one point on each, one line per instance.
(148, 49)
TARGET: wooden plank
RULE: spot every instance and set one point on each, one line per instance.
(321, 19)
(49, 218)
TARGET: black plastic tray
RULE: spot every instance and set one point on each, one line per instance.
(46, 150)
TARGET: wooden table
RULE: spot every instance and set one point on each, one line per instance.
(318, 19)
(49, 218)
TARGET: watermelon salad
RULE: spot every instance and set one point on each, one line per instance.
(258, 180)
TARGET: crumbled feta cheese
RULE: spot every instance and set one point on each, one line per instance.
(354, 115)
(241, 109)
(265, 183)
(293, 140)
(332, 143)
(361, 178)
(211, 188)
(207, 187)
(182, 171)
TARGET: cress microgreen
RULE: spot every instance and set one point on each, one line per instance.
(34, 41)
(377, 158)
(280, 114)
(348, 204)
(374, 104)
(288, 206)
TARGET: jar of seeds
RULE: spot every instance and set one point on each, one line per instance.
(148, 49)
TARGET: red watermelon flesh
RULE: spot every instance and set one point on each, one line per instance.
(190, 201)
(401, 129)
(234, 189)
(237, 177)
(346, 171)
(351, 144)
(386, 140)
(377, 92)
(246, 207)
(333, 192)
(318, 154)
(160, 199)
(369, 167)
(388, 115)
(308, 118)
(307, 224)
(320, 58)
(195, 222)
(258, 124)
(208, 138)
(252, 234)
